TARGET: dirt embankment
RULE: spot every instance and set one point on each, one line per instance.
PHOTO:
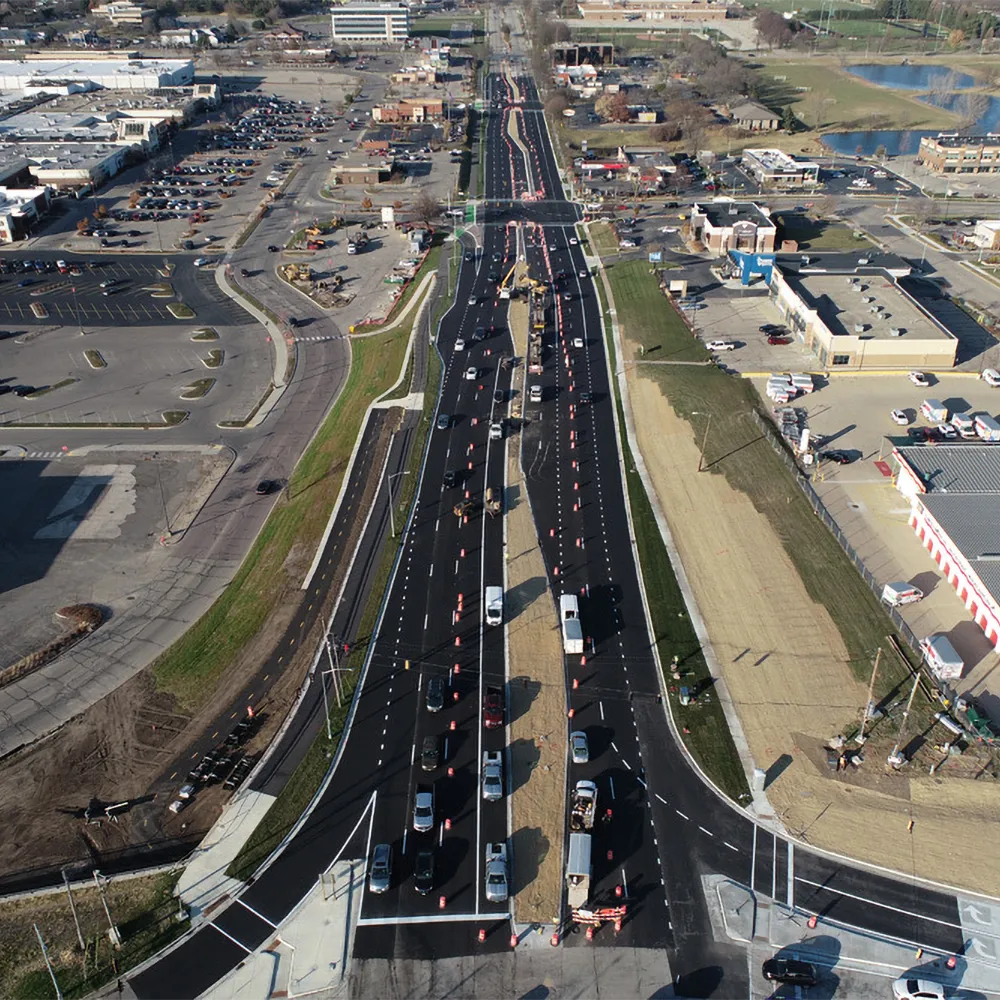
(135, 745)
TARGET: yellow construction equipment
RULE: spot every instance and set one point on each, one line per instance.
(505, 287)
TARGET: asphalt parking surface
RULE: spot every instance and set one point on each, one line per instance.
(79, 299)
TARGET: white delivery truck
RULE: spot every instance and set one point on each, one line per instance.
(578, 870)
(494, 605)
(987, 428)
(964, 424)
(804, 383)
(896, 594)
(934, 411)
(572, 629)
(941, 657)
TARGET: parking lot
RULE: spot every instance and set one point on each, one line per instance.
(104, 289)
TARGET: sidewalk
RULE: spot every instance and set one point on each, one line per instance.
(205, 883)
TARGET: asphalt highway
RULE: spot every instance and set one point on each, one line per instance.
(665, 829)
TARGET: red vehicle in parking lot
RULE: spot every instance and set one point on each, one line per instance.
(776, 339)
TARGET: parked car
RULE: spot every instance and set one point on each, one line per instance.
(946, 432)
(840, 457)
(721, 345)
(789, 971)
(776, 340)
(991, 377)
(919, 378)
(430, 754)
(579, 747)
(899, 417)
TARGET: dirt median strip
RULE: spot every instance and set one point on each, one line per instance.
(538, 728)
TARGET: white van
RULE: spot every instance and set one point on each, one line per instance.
(897, 594)
(535, 393)
(991, 377)
(494, 605)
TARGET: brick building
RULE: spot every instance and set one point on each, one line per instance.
(733, 225)
(960, 154)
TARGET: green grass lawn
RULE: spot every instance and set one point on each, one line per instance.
(835, 100)
(651, 319)
(603, 238)
(197, 661)
(812, 234)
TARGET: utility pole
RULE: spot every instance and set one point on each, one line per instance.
(860, 739)
(72, 906)
(704, 442)
(896, 759)
(48, 964)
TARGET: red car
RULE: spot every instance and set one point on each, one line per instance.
(776, 340)
(493, 708)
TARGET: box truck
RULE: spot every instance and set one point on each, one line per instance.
(896, 594)
(578, 870)
(941, 657)
(494, 605)
(572, 629)
(934, 411)
(964, 424)
(987, 428)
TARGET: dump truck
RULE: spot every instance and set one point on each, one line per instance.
(494, 501)
(578, 870)
(535, 353)
(583, 806)
(572, 628)
(496, 872)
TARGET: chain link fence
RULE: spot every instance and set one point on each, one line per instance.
(769, 432)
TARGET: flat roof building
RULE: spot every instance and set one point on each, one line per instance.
(860, 318)
(948, 153)
(954, 493)
(70, 76)
(725, 225)
(653, 10)
(370, 23)
(774, 168)
(987, 234)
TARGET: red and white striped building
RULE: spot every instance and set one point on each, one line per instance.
(954, 492)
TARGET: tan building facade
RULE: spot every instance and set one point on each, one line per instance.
(653, 11)
(960, 154)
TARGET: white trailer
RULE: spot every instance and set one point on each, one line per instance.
(578, 870)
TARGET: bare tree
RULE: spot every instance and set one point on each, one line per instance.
(425, 207)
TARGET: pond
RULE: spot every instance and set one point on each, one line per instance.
(908, 77)
(944, 86)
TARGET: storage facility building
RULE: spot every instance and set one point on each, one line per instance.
(954, 493)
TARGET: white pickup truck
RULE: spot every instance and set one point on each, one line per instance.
(492, 776)
(572, 628)
(496, 872)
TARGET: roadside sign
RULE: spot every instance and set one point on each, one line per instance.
(655, 257)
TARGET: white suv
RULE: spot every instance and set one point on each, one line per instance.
(721, 345)
(991, 377)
